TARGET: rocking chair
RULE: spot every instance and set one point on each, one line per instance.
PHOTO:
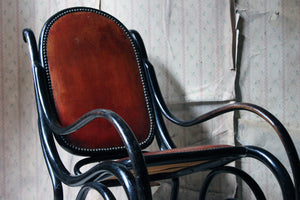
(97, 95)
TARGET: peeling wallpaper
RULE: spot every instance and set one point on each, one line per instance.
(190, 44)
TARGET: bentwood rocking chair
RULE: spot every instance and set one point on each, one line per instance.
(98, 97)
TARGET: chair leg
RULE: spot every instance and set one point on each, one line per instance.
(56, 183)
(175, 189)
(57, 189)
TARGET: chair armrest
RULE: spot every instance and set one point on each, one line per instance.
(266, 115)
(128, 138)
(111, 116)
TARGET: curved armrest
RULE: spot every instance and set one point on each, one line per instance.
(128, 138)
(267, 116)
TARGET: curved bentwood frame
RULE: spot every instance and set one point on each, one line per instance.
(137, 184)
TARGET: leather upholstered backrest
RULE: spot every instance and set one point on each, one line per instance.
(91, 63)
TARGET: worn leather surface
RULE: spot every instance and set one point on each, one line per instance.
(92, 65)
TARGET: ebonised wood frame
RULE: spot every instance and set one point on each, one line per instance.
(137, 186)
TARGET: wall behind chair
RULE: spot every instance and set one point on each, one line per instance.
(23, 173)
(269, 75)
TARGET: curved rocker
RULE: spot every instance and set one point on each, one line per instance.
(102, 189)
(124, 176)
(97, 95)
(232, 170)
(270, 161)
